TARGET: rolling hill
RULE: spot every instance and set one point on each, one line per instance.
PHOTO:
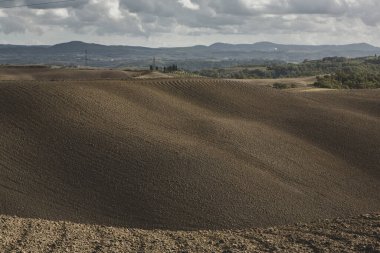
(186, 153)
(189, 58)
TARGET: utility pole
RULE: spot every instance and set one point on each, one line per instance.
(154, 63)
(85, 58)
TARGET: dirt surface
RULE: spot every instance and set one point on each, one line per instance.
(44, 73)
(186, 153)
(300, 82)
(154, 75)
(360, 234)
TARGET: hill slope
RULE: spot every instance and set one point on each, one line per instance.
(45, 73)
(186, 154)
(218, 55)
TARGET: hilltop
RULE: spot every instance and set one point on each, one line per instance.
(189, 58)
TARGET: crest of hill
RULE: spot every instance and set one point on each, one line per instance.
(191, 58)
(259, 46)
(269, 46)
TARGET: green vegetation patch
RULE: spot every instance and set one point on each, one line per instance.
(331, 72)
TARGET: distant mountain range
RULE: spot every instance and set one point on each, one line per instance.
(192, 58)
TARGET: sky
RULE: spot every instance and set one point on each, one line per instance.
(170, 23)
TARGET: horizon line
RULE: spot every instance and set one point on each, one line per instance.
(195, 45)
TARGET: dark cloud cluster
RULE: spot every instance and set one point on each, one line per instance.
(148, 18)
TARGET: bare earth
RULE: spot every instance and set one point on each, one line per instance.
(300, 82)
(40, 73)
(187, 154)
(359, 234)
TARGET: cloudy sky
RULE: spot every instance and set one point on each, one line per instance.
(159, 23)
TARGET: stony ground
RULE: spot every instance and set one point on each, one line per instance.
(359, 234)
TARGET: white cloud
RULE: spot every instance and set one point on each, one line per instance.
(3, 13)
(188, 4)
(114, 9)
(257, 5)
(204, 21)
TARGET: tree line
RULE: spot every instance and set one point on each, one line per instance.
(331, 72)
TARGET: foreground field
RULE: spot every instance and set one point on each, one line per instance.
(359, 234)
(186, 153)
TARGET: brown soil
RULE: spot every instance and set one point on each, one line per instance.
(154, 75)
(299, 82)
(48, 74)
(186, 153)
(359, 234)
